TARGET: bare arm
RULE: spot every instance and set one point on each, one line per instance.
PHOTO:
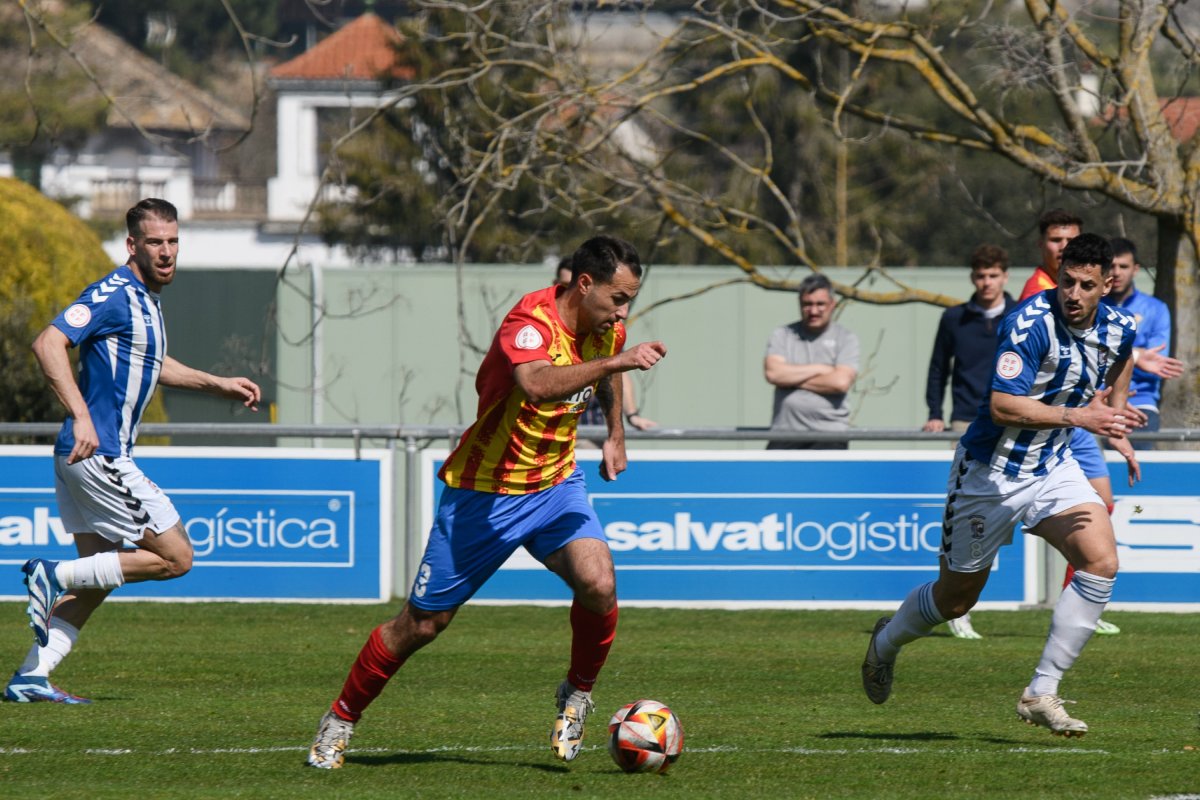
(543, 382)
(612, 459)
(180, 376)
(630, 406)
(1104, 415)
(819, 378)
(838, 381)
(50, 349)
(779, 372)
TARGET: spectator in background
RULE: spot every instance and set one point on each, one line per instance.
(1153, 331)
(812, 363)
(594, 413)
(965, 346)
(963, 352)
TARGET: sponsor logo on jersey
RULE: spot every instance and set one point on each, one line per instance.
(1009, 365)
(78, 315)
(528, 338)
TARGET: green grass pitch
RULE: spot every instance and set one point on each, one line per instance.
(221, 701)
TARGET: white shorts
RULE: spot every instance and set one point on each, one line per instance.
(111, 497)
(983, 506)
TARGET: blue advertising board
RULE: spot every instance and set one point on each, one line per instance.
(1157, 526)
(766, 529)
(265, 524)
(837, 530)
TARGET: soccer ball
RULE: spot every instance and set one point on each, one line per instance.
(645, 737)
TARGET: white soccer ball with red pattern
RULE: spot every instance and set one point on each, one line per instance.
(645, 737)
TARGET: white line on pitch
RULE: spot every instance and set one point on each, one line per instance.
(716, 749)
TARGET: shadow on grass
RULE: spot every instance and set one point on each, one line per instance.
(448, 758)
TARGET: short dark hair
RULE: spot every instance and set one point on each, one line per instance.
(1087, 248)
(989, 255)
(814, 283)
(1120, 246)
(601, 255)
(1057, 218)
(149, 207)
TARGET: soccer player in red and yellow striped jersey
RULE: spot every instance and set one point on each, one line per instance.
(1056, 227)
(517, 446)
(513, 482)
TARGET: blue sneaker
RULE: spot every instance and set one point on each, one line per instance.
(32, 689)
(43, 591)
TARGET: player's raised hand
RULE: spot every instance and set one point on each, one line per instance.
(1153, 361)
(645, 355)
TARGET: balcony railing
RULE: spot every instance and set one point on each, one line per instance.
(112, 197)
(222, 199)
(212, 198)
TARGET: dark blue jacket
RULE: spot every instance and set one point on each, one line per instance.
(966, 339)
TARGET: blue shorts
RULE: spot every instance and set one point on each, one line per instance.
(1087, 452)
(475, 532)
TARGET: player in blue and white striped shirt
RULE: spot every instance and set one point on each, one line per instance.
(1064, 361)
(103, 498)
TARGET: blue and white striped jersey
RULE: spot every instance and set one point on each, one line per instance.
(1040, 356)
(118, 326)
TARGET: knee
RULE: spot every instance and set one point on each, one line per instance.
(177, 566)
(1105, 567)
(955, 608)
(952, 604)
(415, 628)
(598, 594)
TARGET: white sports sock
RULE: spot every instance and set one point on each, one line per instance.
(41, 661)
(101, 571)
(1074, 621)
(916, 617)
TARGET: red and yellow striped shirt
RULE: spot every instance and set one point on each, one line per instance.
(515, 446)
(1039, 281)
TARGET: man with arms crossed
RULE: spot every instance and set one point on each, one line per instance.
(1064, 361)
(103, 498)
(513, 482)
(812, 363)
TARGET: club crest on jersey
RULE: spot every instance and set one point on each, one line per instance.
(528, 338)
(1009, 365)
(78, 315)
(977, 526)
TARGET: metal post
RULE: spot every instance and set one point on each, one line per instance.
(412, 518)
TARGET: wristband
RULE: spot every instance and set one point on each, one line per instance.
(629, 417)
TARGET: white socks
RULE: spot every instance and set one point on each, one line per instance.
(40, 661)
(101, 571)
(1073, 623)
(916, 617)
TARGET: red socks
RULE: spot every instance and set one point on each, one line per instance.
(591, 638)
(1071, 570)
(373, 668)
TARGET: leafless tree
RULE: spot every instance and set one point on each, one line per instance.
(1087, 96)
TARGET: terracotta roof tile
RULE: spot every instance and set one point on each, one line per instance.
(1183, 116)
(363, 50)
